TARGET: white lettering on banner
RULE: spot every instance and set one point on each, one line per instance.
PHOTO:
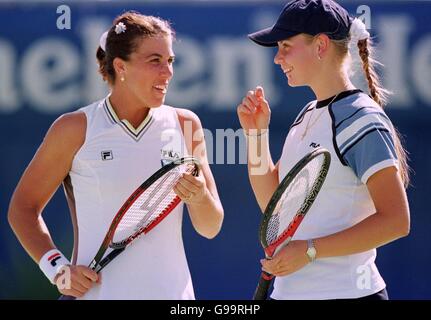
(9, 101)
(187, 89)
(394, 33)
(53, 76)
(262, 19)
(238, 66)
(234, 66)
(421, 67)
(94, 87)
(49, 75)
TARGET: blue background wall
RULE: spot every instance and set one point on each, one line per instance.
(45, 71)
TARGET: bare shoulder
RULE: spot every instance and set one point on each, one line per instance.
(68, 130)
(71, 121)
(188, 115)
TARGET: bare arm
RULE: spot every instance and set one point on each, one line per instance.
(41, 179)
(205, 209)
(44, 174)
(390, 222)
(254, 115)
(262, 172)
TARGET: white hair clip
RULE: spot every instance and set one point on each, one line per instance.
(120, 28)
(102, 40)
(358, 31)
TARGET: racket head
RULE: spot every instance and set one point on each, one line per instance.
(151, 202)
(292, 200)
(162, 180)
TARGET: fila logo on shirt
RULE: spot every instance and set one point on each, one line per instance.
(168, 156)
(53, 259)
(107, 155)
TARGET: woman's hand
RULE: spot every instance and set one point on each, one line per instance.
(254, 111)
(290, 259)
(79, 280)
(191, 189)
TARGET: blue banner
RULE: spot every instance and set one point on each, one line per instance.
(46, 71)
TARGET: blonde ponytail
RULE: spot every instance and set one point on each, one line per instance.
(380, 96)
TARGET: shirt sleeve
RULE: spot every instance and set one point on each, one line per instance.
(365, 142)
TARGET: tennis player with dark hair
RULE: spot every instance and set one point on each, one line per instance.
(362, 204)
(101, 153)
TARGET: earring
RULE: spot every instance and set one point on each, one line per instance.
(122, 78)
(319, 57)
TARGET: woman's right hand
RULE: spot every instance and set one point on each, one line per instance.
(81, 279)
(254, 111)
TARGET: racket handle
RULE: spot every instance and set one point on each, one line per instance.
(98, 268)
(261, 292)
(111, 256)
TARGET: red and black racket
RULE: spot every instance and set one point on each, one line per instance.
(146, 207)
(288, 206)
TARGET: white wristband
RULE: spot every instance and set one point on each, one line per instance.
(51, 263)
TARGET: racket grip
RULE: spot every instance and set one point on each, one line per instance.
(111, 256)
(261, 292)
(262, 289)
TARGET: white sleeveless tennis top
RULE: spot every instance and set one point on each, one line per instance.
(113, 161)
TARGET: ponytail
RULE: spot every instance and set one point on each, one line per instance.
(380, 96)
(101, 59)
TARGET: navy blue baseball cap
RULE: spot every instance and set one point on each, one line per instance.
(306, 16)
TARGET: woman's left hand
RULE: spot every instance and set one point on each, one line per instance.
(191, 189)
(290, 259)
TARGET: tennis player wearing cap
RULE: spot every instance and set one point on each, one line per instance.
(363, 203)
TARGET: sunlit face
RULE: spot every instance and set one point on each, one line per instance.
(297, 58)
(150, 69)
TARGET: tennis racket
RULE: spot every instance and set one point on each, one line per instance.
(146, 207)
(288, 206)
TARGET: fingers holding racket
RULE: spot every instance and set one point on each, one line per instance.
(80, 280)
(191, 187)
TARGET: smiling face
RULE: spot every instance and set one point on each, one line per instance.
(149, 69)
(297, 58)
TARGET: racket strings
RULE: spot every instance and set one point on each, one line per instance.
(150, 205)
(284, 217)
